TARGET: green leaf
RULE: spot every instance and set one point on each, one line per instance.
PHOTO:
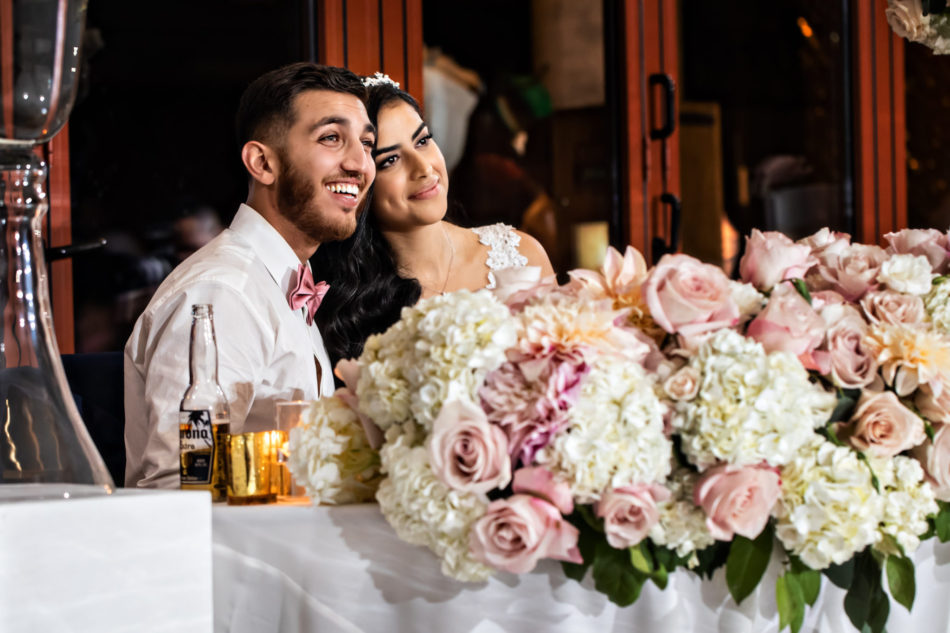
(791, 603)
(641, 559)
(857, 602)
(841, 575)
(711, 558)
(900, 580)
(660, 577)
(747, 562)
(929, 430)
(880, 608)
(942, 521)
(615, 577)
(587, 541)
(801, 288)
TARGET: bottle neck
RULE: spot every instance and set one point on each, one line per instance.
(204, 353)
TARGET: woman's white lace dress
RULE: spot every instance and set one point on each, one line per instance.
(502, 243)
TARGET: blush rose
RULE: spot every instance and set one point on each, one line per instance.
(466, 451)
(737, 499)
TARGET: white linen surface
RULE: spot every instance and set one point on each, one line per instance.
(343, 569)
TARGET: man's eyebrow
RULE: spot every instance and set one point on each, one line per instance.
(383, 150)
(327, 120)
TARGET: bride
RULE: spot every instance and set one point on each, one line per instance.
(403, 248)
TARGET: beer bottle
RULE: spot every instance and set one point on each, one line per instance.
(204, 416)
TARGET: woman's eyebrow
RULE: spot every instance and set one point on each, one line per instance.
(383, 150)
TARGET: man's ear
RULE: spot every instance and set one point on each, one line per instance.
(260, 162)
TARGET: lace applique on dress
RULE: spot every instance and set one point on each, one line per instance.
(502, 243)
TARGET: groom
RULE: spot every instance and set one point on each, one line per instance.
(305, 141)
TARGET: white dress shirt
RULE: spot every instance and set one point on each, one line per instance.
(266, 350)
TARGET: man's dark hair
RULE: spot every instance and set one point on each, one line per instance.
(266, 109)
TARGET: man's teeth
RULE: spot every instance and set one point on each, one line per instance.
(349, 189)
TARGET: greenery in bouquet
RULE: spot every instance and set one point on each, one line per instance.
(923, 21)
(636, 421)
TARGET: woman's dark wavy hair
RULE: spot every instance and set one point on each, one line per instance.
(366, 292)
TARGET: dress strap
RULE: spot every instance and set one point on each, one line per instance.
(502, 242)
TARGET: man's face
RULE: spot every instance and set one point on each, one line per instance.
(325, 166)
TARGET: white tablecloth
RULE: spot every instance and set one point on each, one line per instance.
(136, 561)
(286, 568)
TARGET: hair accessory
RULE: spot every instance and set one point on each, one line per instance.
(378, 79)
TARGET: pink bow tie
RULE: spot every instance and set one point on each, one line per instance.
(307, 293)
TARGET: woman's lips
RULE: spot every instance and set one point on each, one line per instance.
(428, 192)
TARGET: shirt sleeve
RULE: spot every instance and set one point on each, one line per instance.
(157, 374)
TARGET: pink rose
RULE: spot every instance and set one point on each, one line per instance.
(853, 365)
(688, 297)
(771, 257)
(539, 481)
(853, 272)
(788, 323)
(894, 308)
(882, 426)
(930, 243)
(934, 404)
(515, 533)
(466, 451)
(934, 457)
(827, 242)
(629, 513)
(737, 499)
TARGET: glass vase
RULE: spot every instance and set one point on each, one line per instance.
(42, 437)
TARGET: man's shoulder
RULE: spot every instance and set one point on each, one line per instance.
(227, 261)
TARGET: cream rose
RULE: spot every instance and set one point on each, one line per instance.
(882, 426)
(894, 308)
(737, 499)
(630, 512)
(771, 257)
(515, 533)
(684, 384)
(852, 364)
(688, 297)
(906, 18)
(907, 273)
(935, 459)
(466, 452)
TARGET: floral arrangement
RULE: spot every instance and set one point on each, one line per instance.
(924, 21)
(637, 420)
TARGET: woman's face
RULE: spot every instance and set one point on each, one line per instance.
(411, 185)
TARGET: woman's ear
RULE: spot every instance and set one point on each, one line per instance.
(260, 162)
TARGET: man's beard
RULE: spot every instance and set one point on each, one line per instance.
(296, 202)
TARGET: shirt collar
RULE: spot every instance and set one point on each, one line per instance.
(272, 249)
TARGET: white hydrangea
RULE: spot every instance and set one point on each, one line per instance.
(424, 511)
(908, 501)
(441, 348)
(907, 273)
(330, 457)
(682, 524)
(615, 433)
(751, 406)
(937, 303)
(828, 509)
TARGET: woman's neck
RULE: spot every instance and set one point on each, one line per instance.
(425, 253)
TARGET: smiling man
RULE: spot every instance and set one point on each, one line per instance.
(305, 141)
